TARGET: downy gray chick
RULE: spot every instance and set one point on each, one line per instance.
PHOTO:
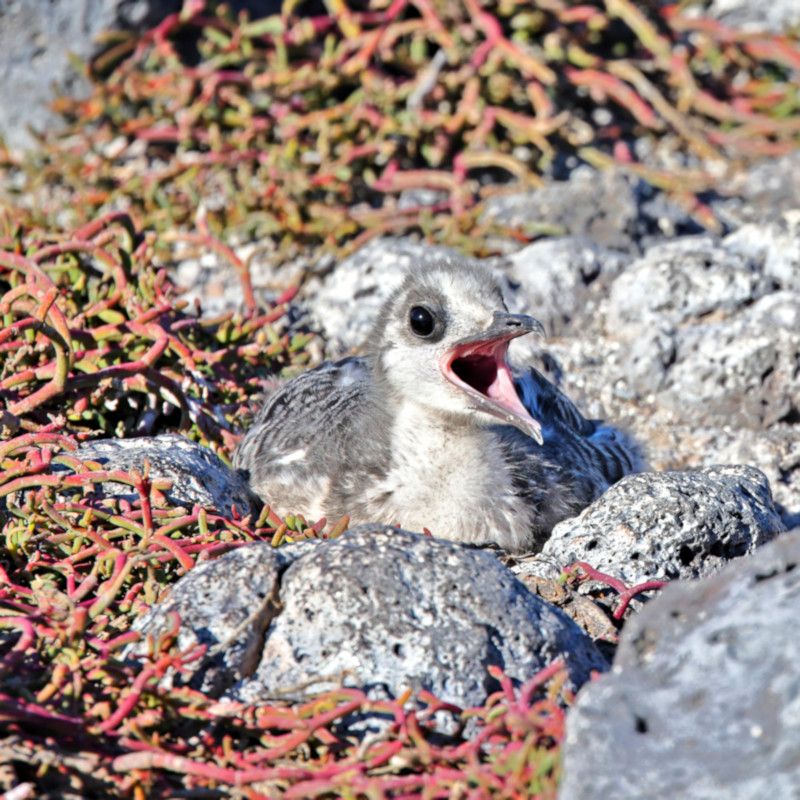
(432, 429)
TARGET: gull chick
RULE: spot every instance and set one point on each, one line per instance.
(432, 428)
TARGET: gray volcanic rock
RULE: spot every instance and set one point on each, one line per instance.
(600, 205)
(762, 193)
(777, 16)
(198, 475)
(556, 280)
(662, 526)
(702, 701)
(671, 286)
(226, 604)
(679, 281)
(777, 452)
(706, 328)
(378, 608)
(775, 244)
(36, 39)
(612, 207)
(741, 371)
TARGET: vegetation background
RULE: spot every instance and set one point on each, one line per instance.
(300, 131)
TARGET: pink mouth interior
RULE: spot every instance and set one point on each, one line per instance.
(478, 370)
(484, 369)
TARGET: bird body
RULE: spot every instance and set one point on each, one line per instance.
(431, 429)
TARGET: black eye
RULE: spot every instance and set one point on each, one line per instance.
(421, 321)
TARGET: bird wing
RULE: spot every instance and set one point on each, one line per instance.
(549, 405)
(579, 459)
(611, 450)
(302, 435)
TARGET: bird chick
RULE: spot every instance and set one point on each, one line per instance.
(432, 429)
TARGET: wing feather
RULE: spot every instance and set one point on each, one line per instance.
(306, 434)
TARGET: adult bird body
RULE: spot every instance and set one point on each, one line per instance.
(431, 429)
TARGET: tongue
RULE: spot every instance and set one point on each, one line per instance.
(503, 392)
(487, 374)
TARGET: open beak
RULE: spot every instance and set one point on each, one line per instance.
(478, 365)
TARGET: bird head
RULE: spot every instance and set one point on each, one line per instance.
(441, 341)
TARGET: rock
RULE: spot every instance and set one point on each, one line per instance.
(778, 16)
(680, 281)
(226, 604)
(760, 194)
(741, 371)
(777, 452)
(598, 205)
(378, 608)
(663, 526)
(611, 207)
(705, 328)
(775, 244)
(198, 475)
(36, 38)
(553, 279)
(703, 698)
(697, 353)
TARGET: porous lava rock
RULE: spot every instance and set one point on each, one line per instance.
(709, 328)
(198, 475)
(603, 206)
(743, 371)
(681, 280)
(664, 526)
(378, 608)
(703, 700)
